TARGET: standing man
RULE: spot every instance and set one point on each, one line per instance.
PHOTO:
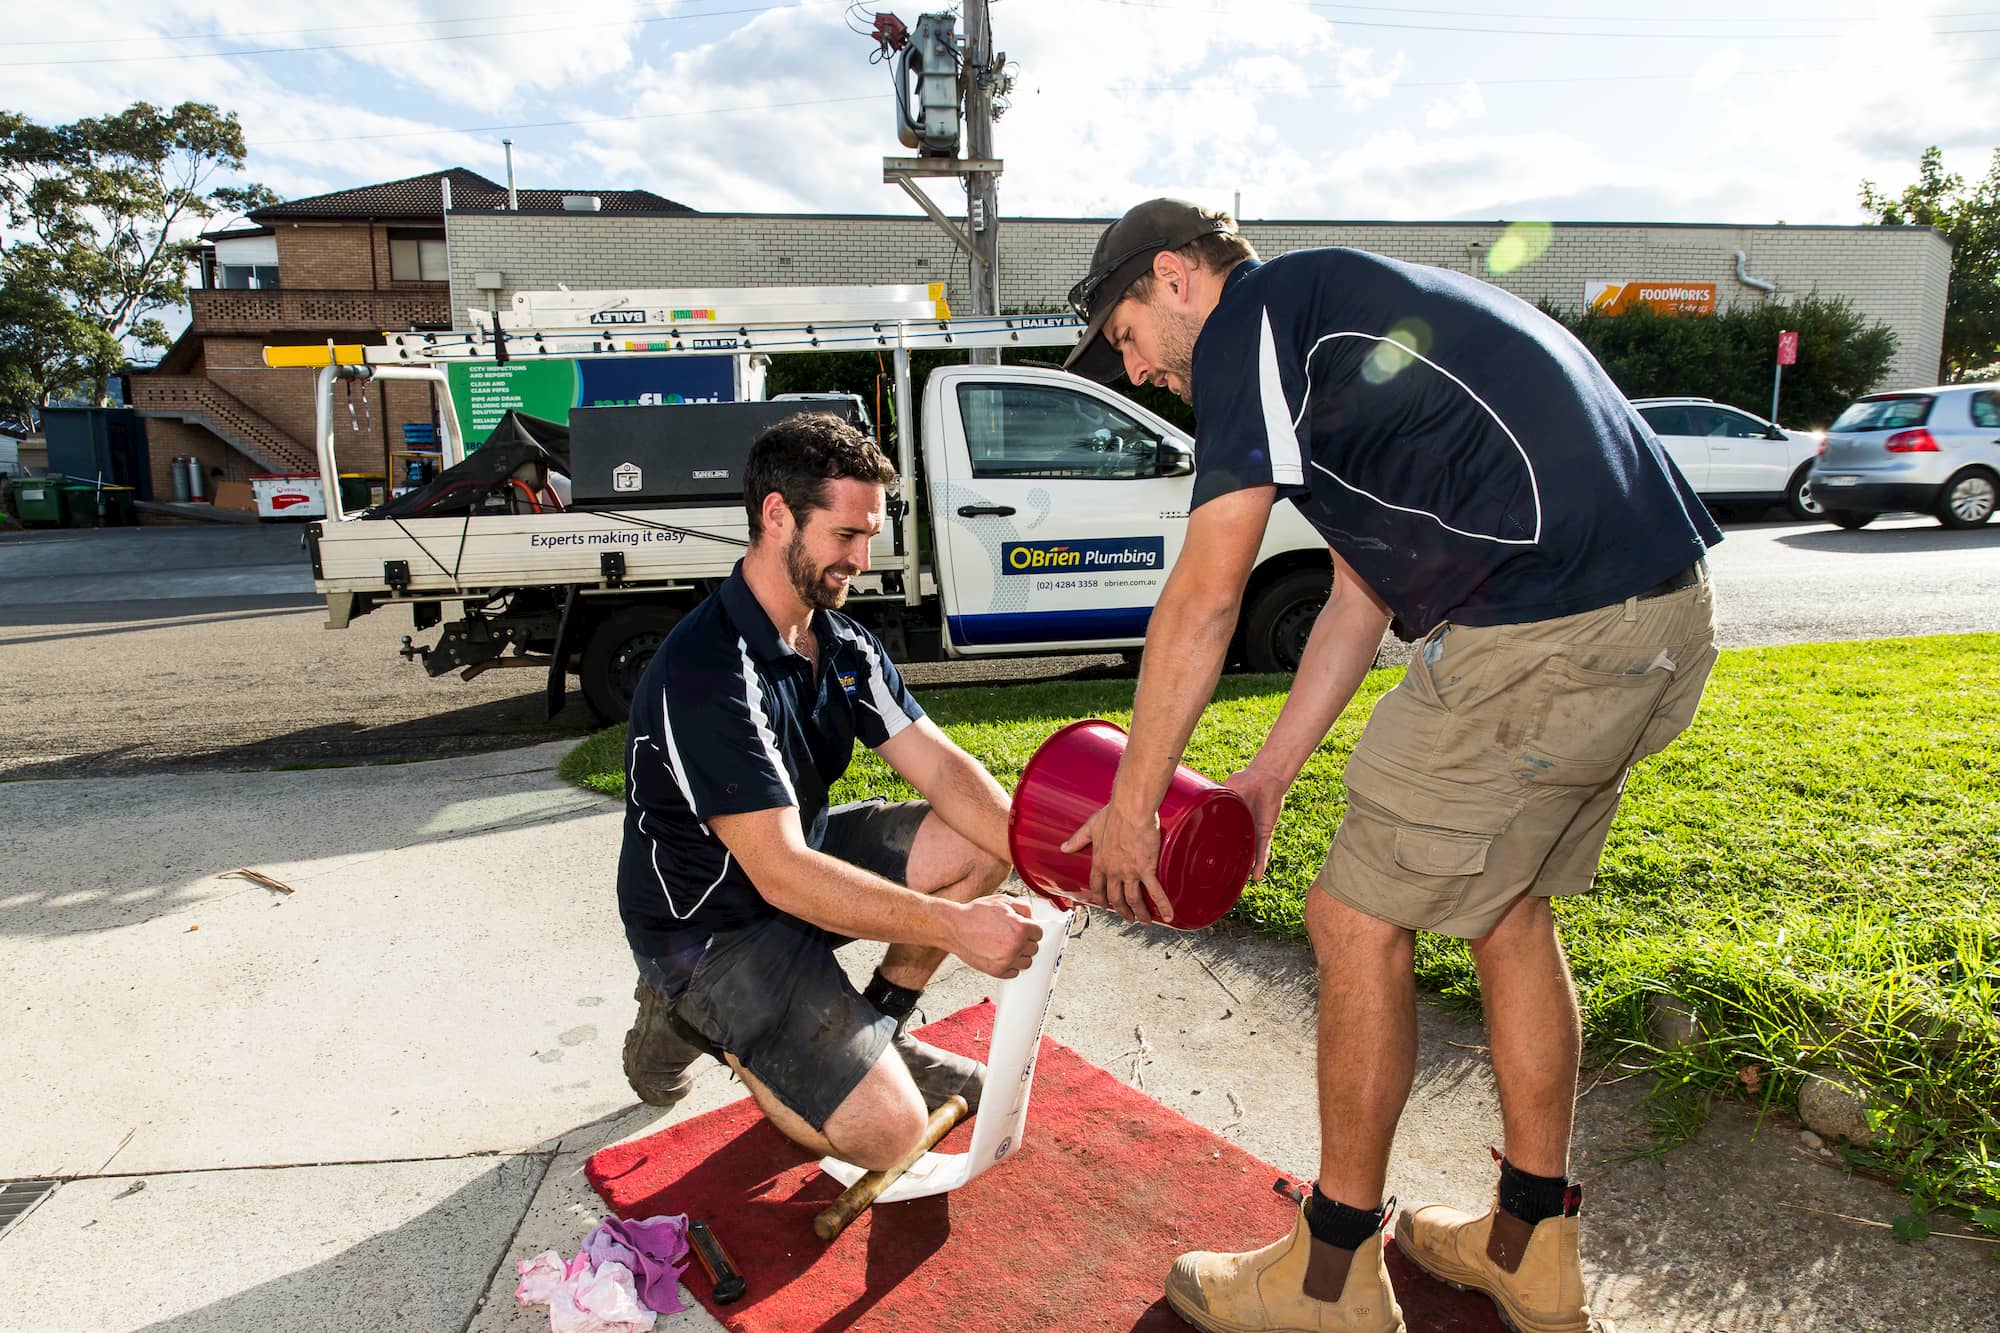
(1482, 483)
(737, 882)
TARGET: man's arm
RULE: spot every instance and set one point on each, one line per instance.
(992, 934)
(1186, 641)
(1338, 654)
(964, 794)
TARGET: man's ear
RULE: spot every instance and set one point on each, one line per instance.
(777, 515)
(1171, 271)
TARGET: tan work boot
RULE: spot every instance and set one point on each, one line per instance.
(1532, 1273)
(1264, 1291)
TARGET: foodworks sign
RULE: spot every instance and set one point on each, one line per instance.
(1662, 298)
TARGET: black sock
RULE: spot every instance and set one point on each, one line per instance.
(1533, 1198)
(891, 999)
(1338, 1224)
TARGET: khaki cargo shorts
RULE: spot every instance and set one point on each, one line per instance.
(1493, 768)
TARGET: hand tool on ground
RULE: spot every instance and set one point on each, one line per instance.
(728, 1283)
(833, 1219)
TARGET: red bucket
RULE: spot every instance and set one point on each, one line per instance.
(1208, 840)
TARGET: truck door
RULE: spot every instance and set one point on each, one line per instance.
(1059, 509)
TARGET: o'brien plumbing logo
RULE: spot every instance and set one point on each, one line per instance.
(1079, 556)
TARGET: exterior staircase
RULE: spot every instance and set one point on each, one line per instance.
(201, 402)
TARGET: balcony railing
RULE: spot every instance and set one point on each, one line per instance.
(425, 306)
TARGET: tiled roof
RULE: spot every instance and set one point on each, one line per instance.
(422, 198)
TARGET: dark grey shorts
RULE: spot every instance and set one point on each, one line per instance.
(772, 994)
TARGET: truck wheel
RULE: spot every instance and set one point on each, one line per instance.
(1799, 500)
(1850, 518)
(1967, 499)
(1281, 619)
(620, 647)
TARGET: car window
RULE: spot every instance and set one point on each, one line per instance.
(1021, 430)
(1709, 421)
(1741, 426)
(1666, 420)
(1986, 408)
(1896, 413)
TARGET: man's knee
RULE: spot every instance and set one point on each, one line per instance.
(1344, 937)
(881, 1120)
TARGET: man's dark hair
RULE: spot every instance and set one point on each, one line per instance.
(799, 456)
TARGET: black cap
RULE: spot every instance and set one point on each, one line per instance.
(1124, 252)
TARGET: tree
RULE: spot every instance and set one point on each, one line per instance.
(1970, 219)
(46, 348)
(1728, 356)
(112, 206)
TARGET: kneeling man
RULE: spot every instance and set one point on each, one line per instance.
(737, 881)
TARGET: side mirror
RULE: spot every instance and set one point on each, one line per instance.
(1774, 434)
(1173, 461)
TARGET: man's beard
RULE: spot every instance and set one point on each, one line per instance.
(1177, 335)
(809, 580)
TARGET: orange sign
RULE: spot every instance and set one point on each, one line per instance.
(1662, 298)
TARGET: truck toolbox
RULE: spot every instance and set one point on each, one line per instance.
(627, 457)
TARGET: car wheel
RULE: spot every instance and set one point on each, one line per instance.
(1281, 619)
(1967, 499)
(1799, 500)
(1850, 518)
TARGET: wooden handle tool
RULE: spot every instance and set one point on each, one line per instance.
(856, 1197)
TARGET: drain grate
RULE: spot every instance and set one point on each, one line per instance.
(19, 1197)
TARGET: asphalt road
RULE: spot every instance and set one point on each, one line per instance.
(183, 648)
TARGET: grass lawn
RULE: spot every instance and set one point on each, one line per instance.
(1813, 868)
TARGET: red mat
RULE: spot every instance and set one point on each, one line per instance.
(1074, 1232)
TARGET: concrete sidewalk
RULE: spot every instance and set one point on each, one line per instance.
(355, 1106)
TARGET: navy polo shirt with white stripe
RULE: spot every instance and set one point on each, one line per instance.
(726, 720)
(1457, 447)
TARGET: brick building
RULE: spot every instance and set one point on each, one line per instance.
(1895, 275)
(344, 266)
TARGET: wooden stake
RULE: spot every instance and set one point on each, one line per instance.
(856, 1197)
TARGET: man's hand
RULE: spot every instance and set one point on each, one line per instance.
(1265, 796)
(996, 935)
(1124, 864)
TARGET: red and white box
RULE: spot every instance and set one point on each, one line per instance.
(289, 495)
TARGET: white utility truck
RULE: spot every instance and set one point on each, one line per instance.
(1039, 513)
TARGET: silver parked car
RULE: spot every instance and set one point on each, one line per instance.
(1732, 457)
(1935, 451)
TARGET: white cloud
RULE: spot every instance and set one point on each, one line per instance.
(1461, 104)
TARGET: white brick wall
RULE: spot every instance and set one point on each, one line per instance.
(1896, 275)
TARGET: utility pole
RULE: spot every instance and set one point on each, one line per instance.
(982, 187)
(944, 85)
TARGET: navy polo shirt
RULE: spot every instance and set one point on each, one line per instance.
(1460, 449)
(728, 719)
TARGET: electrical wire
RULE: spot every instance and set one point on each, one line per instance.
(342, 27)
(393, 41)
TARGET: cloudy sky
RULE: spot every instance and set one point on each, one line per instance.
(1558, 109)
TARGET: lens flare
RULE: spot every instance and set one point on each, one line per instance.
(1520, 245)
(1409, 339)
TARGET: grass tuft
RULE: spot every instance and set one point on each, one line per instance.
(1811, 870)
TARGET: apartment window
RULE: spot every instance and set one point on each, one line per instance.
(246, 277)
(416, 256)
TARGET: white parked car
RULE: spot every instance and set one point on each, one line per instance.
(1732, 457)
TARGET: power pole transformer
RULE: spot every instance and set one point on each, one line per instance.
(934, 77)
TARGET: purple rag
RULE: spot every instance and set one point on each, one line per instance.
(654, 1248)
